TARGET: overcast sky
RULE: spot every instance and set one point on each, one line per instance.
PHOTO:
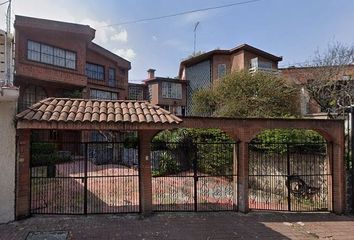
(293, 29)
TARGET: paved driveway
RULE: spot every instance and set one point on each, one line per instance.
(187, 226)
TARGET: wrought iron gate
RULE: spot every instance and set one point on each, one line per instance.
(194, 177)
(83, 178)
(290, 177)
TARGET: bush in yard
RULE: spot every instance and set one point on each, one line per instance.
(215, 159)
(167, 165)
(276, 140)
(131, 141)
(43, 154)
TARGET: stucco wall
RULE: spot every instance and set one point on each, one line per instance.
(7, 160)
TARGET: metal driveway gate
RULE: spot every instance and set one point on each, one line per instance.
(290, 177)
(83, 178)
(194, 176)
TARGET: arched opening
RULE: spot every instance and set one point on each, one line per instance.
(97, 174)
(194, 170)
(290, 170)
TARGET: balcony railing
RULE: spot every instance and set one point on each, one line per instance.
(264, 70)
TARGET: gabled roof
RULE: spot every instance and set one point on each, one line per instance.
(101, 111)
(205, 56)
(97, 48)
(46, 24)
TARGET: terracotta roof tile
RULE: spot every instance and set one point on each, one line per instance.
(82, 110)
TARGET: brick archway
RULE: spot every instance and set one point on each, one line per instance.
(42, 116)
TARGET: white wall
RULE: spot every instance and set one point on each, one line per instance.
(7, 157)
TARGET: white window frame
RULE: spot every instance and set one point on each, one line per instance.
(171, 90)
(221, 70)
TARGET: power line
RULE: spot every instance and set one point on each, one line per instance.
(181, 13)
(3, 3)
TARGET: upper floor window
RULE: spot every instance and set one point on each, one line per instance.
(256, 63)
(136, 93)
(221, 70)
(44, 53)
(112, 77)
(30, 96)
(171, 90)
(149, 92)
(103, 95)
(95, 71)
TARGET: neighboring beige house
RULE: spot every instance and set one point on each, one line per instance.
(301, 75)
(168, 93)
(203, 70)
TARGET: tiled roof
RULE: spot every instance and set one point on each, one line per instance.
(91, 110)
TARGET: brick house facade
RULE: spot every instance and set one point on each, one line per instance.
(203, 70)
(58, 59)
(168, 93)
(301, 75)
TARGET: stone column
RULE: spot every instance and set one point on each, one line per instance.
(145, 137)
(243, 177)
(8, 108)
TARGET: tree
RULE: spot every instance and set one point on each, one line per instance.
(325, 82)
(241, 94)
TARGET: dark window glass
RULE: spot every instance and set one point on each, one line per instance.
(43, 53)
(30, 96)
(103, 95)
(94, 71)
(112, 77)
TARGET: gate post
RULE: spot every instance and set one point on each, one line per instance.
(243, 177)
(338, 175)
(23, 174)
(145, 178)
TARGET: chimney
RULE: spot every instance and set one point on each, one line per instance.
(151, 73)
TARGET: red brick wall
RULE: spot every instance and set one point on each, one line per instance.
(28, 70)
(47, 72)
(220, 59)
(122, 78)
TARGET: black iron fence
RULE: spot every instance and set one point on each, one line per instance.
(194, 177)
(84, 178)
(290, 177)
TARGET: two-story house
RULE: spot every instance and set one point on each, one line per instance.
(168, 93)
(203, 70)
(59, 59)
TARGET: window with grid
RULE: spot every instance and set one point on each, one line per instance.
(103, 95)
(30, 96)
(221, 70)
(95, 71)
(47, 54)
(136, 93)
(171, 90)
(112, 77)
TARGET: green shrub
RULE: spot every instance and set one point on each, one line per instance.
(278, 140)
(215, 159)
(167, 165)
(43, 154)
(131, 141)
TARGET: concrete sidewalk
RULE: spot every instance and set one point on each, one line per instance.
(185, 226)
